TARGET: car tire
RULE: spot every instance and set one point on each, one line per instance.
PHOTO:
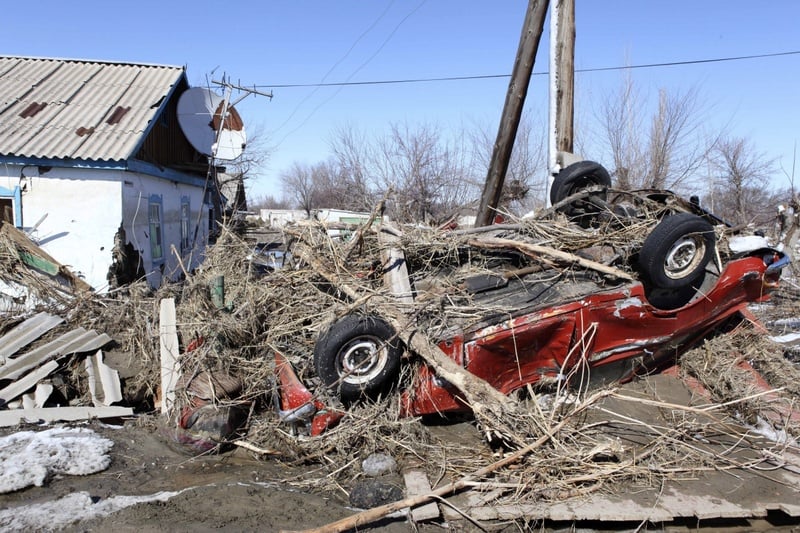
(359, 356)
(675, 254)
(574, 178)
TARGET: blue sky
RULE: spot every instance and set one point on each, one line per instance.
(306, 42)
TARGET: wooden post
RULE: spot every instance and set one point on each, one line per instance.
(394, 264)
(562, 84)
(512, 110)
(168, 341)
(562, 74)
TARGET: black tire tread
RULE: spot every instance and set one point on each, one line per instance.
(337, 335)
(590, 172)
(657, 245)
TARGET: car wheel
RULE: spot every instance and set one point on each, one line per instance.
(359, 356)
(575, 178)
(676, 252)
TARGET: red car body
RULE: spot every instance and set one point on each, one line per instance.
(614, 333)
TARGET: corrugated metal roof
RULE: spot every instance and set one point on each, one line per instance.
(75, 109)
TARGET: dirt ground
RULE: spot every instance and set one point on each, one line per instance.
(234, 491)
(230, 491)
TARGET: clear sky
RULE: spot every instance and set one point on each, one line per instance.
(272, 43)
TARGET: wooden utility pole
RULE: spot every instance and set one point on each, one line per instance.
(562, 79)
(512, 110)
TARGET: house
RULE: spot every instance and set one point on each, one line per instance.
(95, 167)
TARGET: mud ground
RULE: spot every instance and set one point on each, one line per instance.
(228, 492)
(236, 492)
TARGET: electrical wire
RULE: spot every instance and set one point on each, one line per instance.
(330, 70)
(490, 76)
(356, 71)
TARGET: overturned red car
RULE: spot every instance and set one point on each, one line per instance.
(534, 325)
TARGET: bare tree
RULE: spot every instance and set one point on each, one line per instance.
(426, 170)
(665, 154)
(741, 191)
(522, 190)
(267, 201)
(299, 187)
(333, 188)
(433, 176)
(350, 168)
(622, 125)
(245, 167)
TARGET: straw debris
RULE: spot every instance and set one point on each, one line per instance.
(560, 443)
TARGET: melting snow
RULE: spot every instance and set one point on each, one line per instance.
(68, 510)
(29, 457)
(786, 339)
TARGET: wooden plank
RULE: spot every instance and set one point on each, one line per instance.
(38, 397)
(790, 509)
(168, 339)
(109, 378)
(395, 267)
(417, 484)
(13, 417)
(27, 382)
(42, 394)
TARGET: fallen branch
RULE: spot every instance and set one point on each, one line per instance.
(481, 396)
(253, 448)
(358, 236)
(365, 517)
(536, 251)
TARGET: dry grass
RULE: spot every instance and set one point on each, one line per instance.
(595, 442)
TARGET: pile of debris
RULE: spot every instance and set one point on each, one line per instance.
(204, 351)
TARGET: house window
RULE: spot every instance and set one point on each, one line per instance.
(185, 213)
(156, 231)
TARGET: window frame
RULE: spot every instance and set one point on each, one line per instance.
(156, 228)
(186, 215)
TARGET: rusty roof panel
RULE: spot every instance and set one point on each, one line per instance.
(68, 109)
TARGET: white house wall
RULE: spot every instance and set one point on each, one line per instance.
(137, 191)
(78, 212)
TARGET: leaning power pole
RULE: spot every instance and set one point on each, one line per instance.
(512, 110)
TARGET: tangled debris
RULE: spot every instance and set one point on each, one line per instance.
(540, 445)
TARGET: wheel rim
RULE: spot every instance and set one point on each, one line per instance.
(684, 256)
(361, 360)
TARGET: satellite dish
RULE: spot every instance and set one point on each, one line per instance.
(200, 117)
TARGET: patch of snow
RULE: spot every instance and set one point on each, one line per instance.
(70, 509)
(747, 243)
(29, 457)
(785, 339)
(766, 430)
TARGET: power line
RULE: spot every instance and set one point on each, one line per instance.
(490, 76)
(356, 71)
(339, 62)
